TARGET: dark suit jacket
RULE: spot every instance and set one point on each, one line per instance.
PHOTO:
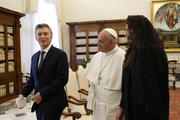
(145, 85)
(49, 81)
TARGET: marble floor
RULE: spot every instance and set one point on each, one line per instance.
(9, 112)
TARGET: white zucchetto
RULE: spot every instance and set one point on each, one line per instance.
(111, 31)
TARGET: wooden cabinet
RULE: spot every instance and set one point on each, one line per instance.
(84, 38)
(10, 59)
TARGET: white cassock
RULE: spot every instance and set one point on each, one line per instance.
(105, 76)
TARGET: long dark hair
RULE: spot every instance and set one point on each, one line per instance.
(143, 36)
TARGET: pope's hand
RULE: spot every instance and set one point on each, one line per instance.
(89, 112)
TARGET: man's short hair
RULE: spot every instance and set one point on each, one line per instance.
(42, 25)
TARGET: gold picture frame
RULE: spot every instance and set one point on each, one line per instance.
(165, 17)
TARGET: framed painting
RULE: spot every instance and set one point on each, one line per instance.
(165, 17)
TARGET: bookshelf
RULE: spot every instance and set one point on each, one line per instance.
(10, 59)
(84, 38)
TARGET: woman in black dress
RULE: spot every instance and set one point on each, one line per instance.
(145, 94)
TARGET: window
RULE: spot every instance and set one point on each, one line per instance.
(46, 13)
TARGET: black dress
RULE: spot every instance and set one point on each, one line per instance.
(145, 94)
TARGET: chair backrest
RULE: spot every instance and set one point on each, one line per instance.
(83, 82)
(87, 65)
(172, 72)
(172, 66)
(72, 85)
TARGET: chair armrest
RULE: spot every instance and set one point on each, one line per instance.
(77, 100)
(75, 115)
(172, 61)
(83, 91)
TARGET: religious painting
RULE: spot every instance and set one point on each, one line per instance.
(165, 17)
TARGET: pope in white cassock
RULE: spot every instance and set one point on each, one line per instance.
(104, 74)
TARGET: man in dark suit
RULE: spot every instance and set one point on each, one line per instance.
(49, 75)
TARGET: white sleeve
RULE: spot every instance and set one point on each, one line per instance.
(91, 97)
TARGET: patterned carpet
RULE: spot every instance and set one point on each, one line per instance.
(174, 112)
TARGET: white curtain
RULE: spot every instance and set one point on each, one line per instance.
(37, 12)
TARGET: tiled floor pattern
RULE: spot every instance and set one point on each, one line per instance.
(8, 112)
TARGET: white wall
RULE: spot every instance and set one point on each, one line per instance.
(16, 5)
(89, 10)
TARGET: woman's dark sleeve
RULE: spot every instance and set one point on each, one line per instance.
(122, 102)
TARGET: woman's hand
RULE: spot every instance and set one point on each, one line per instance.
(119, 115)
